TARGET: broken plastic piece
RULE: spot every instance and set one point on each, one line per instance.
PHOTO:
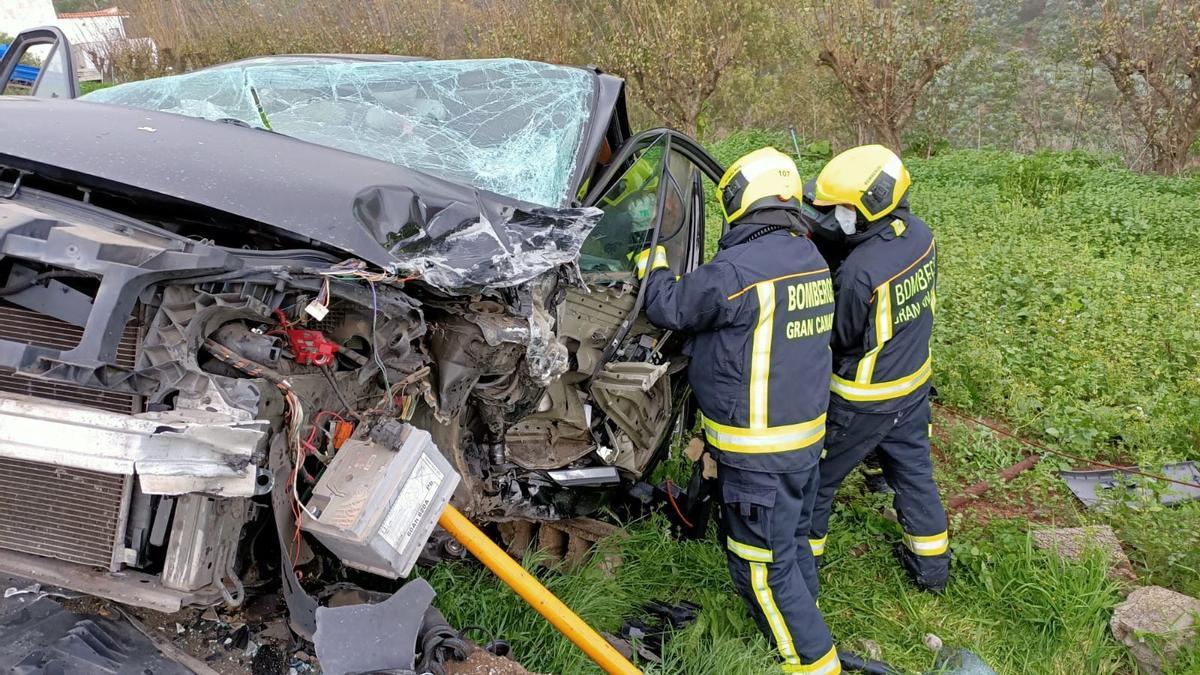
(311, 348)
(316, 310)
(341, 432)
(350, 639)
(1093, 488)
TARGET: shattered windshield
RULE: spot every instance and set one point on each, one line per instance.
(507, 126)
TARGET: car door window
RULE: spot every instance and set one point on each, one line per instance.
(630, 205)
(678, 215)
(39, 63)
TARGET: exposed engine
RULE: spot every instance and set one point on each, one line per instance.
(242, 372)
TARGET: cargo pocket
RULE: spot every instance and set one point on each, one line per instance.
(837, 429)
(747, 505)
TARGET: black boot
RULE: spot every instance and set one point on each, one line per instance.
(929, 573)
(872, 473)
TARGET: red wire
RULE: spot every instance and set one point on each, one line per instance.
(671, 498)
(316, 425)
(1042, 448)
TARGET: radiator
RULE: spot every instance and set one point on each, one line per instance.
(22, 325)
(70, 514)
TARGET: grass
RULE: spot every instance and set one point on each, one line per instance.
(1069, 309)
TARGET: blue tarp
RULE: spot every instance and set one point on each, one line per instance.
(23, 74)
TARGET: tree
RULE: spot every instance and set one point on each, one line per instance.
(676, 54)
(1151, 49)
(885, 53)
(64, 6)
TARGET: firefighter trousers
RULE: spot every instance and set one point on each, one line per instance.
(764, 527)
(901, 440)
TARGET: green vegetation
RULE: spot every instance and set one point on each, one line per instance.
(1069, 311)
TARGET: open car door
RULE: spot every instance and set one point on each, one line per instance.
(624, 388)
(39, 63)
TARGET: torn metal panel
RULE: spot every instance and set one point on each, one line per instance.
(504, 125)
(129, 587)
(472, 244)
(171, 452)
(1094, 488)
(204, 545)
(637, 397)
(348, 639)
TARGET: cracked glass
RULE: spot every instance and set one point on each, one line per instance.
(503, 125)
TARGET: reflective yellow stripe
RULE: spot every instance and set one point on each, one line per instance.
(660, 260)
(934, 544)
(829, 664)
(883, 333)
(766, 602)
(785, 277)
(759, 441)
(817, 546)
(748, 552)
(882, 391)
(760, 355)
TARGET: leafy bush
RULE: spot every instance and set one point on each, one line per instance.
(1038, 179)
(1068, 299)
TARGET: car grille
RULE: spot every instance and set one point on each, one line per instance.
(22, 325)
(69, 514)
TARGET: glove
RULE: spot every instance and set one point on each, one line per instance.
(659, 262)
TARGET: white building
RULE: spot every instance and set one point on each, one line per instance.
(91, 34)
(17, 15)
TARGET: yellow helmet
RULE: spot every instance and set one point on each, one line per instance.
(870, 177)
(764, 178)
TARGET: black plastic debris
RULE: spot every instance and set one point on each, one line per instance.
(648, 634)
(38, 636)
(1095, 488)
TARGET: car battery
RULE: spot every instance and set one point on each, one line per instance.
(377, 503)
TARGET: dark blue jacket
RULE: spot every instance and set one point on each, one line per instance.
(886, 288)
(760, 313)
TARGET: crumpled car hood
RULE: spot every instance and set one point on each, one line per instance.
(455, 237)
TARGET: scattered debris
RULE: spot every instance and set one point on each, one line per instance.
(932, 642)
(646, 637)
(1073, 543)
(482, 662)
(1094, 488)
(1005, 476)
(36, 589)
(1155, 623)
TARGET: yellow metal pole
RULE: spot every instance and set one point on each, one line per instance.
(534, 593)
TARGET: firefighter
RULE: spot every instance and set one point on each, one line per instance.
(886, 297)
(759, 316)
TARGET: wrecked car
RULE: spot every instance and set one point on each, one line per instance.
(211, 283)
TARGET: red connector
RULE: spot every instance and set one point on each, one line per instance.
(310, 347)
